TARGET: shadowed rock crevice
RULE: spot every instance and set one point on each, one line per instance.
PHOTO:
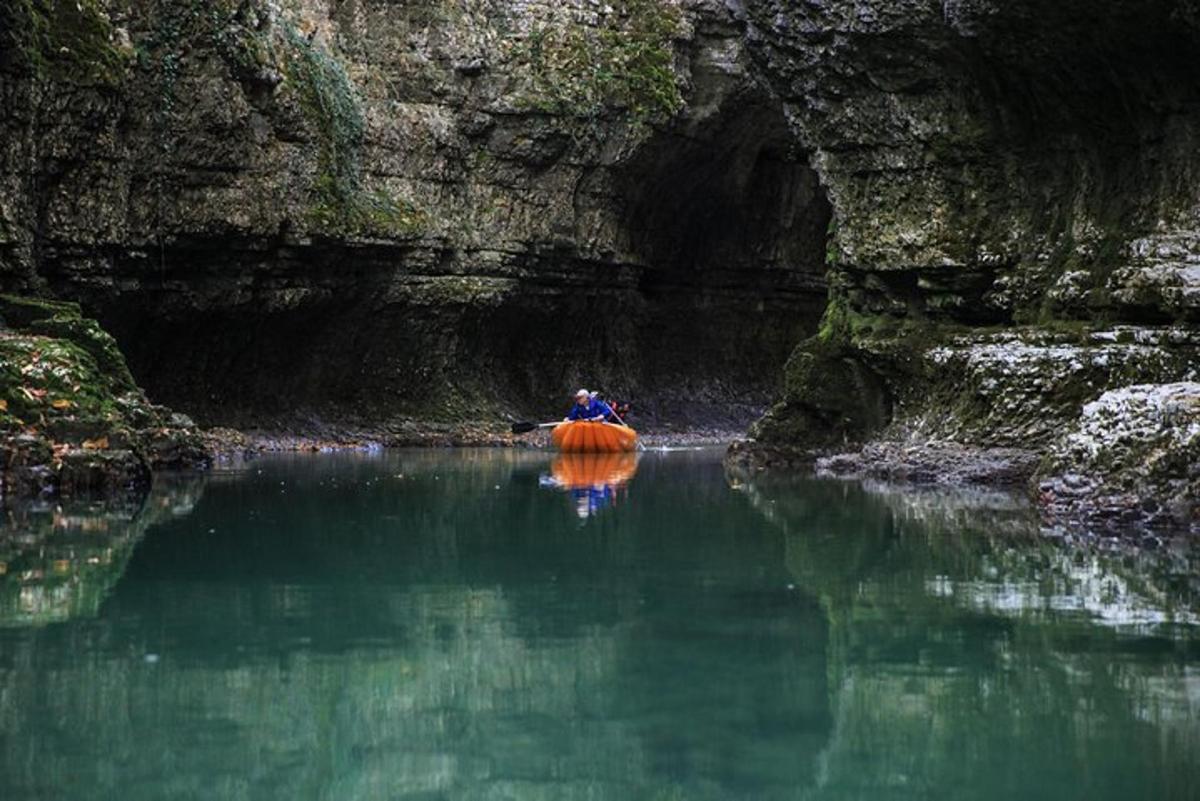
(727, 194)
(731, 223)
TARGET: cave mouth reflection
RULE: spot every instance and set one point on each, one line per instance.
(438, 624)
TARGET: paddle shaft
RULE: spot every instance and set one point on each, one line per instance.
(525, 428)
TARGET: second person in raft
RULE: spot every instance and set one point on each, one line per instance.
(588, 408)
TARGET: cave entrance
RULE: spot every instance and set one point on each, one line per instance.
(730, 222)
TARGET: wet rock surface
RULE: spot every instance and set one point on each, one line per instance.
(933, 463)
(1133, 458)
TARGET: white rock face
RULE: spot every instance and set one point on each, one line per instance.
(1131, 446)
(1165, 270)
(1022, 388)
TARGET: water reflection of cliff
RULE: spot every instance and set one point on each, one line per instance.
(967, 650)
(420, 627)
(59, 562)
(975, 549)
(431, 626)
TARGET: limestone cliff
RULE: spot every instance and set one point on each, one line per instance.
(370, 210)
(1015, 205)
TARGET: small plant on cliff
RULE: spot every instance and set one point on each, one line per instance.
(626, 59)
(62, 40)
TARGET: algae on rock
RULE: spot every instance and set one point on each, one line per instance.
(341, 205)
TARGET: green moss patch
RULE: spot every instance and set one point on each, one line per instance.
(64, 322)
(70, 412)
(63, 40)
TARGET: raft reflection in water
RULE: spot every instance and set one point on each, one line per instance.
(594, 480)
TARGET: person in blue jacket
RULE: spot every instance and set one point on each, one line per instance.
(588, 408)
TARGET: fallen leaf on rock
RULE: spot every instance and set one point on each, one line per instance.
(3, 405)
(61, 403)
(95, 444)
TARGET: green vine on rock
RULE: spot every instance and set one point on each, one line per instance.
(341, 206)
(183, 27)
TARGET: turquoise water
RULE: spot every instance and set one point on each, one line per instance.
(499, 625)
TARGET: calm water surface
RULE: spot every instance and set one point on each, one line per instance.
(496, 625)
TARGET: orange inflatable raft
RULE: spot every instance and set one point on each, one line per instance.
(584, 437)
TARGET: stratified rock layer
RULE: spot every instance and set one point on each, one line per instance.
(385, 211)
(433, 210)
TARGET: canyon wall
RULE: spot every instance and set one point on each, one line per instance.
(367, 209)
(1015, 207)
(974, 217)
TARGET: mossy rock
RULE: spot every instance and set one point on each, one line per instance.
(87, 335)
(63, 40)
(19, 311)
(830, 396)
(45, 380)
(66, 323)
(66, 389)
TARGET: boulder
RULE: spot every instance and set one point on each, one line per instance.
(1133, 458)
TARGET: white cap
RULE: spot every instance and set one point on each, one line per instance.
(581, 393)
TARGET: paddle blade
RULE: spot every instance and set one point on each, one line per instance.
(524, 428)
